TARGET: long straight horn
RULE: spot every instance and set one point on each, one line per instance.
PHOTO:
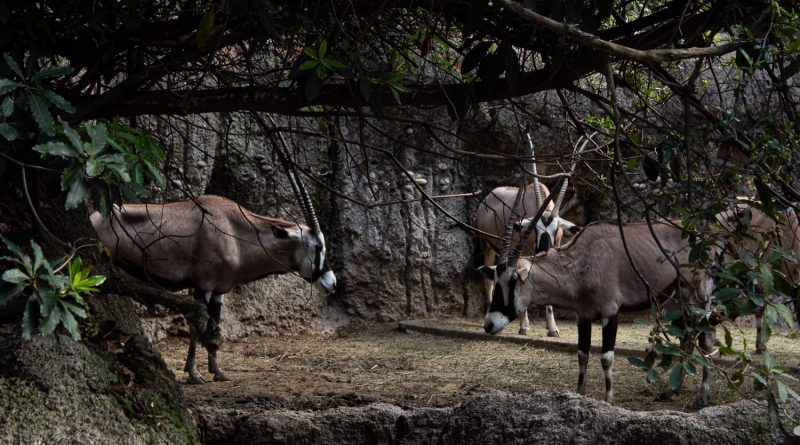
(523, 238)
(560, 198)
(537, 192)
(505, 240)
(291, 172)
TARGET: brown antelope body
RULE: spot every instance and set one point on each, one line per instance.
(210, 245)
(492, 217)
(594, 277)
(763, 236)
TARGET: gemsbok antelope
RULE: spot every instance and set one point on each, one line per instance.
(210, 245)
(597, 277)
(492, 217)
(763, 235)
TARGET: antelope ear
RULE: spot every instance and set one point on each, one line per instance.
(280, 232)
(523, 272)
(488, 271)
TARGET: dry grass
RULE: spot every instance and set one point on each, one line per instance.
(376, 362)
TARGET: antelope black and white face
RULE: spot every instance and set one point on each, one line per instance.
(309, 257)
(546, 229)
(502, 309)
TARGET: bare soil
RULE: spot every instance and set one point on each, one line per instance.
(374, 362)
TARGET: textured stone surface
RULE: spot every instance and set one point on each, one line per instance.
(55, 390)
(493, 418)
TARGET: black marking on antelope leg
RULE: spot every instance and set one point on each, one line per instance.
(584, 344)
(214, 310)
(607, 357)
(610, 334)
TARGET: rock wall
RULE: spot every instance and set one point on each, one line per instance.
(494, 418)
(111, 388)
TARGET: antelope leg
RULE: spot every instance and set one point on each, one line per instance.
(524, 323)
(607, 357)
(706, 343)
(552, 329)
(584, 344)
(194, 376)
(215, 312)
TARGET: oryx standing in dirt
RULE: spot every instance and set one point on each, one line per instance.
(211, 245)
(763, 236)
(492, 217)
(597, 275)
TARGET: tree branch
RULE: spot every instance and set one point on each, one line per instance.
(652, 56)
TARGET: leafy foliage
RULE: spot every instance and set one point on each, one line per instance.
(23, 92)
(120, 158)
(53, 299)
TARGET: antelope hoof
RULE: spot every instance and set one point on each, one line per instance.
(195, 378)
(553, 333)
(221, 377)
(702, 401)
(523, 331)
(665, 396)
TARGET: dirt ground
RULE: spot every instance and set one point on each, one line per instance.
(377, 362)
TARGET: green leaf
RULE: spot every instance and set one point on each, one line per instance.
(51, 71)
(333, 63)
(155, 173)
(7, 107)
(94, 167)
(636, 361)
(57, 100)
(782, 392)
(676, 377)
(30, 319)
(785, 313)
(76, 195)
(16, 276)
(47, 301)
(72, 325)
(76, 310)
(99, 138)
(651, 375)
(121, 170)
(308, 65)
(41, 114)
(766, 277)
(674, 330)
(56, 148)
(52, 320)
(73, 137)
(38, 257)
(13, 65)
(323, 49)
(7, 86)
(8, 132)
